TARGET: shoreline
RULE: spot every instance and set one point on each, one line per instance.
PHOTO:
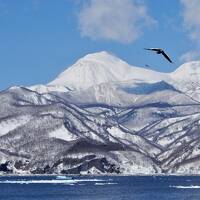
(94, 175)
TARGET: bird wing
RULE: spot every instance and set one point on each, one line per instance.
(152, 49)
(166, 56)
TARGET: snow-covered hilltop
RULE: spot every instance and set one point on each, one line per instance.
(102, 115)
(102, 67)
(187, 79)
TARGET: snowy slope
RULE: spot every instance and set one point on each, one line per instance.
(51, 88)
(127, 94)
(96, 69)
(53, 136)
(42, 133)
(102, 115)
(103, 67)
(187, 79)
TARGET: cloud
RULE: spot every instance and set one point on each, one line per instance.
(191, 20)
(191, 12)
(117, 20)
(190, 56)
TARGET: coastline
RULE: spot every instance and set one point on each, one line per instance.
(94, 175)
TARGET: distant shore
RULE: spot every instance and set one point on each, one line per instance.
(92, 175)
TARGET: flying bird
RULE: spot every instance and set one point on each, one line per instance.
(160, 51)
(147, 66)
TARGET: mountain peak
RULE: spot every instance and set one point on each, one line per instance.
(102, 67)
(100, 55)
(93, 69)
(190, 71)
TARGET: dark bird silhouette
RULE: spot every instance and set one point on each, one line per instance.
(160, 51)
(147, 66)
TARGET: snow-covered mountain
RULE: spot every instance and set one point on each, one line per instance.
(102, 72)
(102, 115)
(187, 79)
(102, 67)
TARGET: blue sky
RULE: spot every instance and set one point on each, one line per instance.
(40, 38)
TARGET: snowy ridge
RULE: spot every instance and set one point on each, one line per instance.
(102, 115)
(187, 79)
(102, 67)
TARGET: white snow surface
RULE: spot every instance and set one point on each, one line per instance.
(187, 79)
(162, 128)
(42, 89)
(188, 72)
(103, 67)
(11, 124)
(63, 134)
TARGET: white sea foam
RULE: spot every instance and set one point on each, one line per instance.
(105, 183)
(57, 181)
(186, 186)
(63, 178)
(38, 182)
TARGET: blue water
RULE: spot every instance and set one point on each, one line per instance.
(100, 188)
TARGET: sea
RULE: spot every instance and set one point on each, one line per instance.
(99, 187)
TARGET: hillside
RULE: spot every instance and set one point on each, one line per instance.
(102, 115)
